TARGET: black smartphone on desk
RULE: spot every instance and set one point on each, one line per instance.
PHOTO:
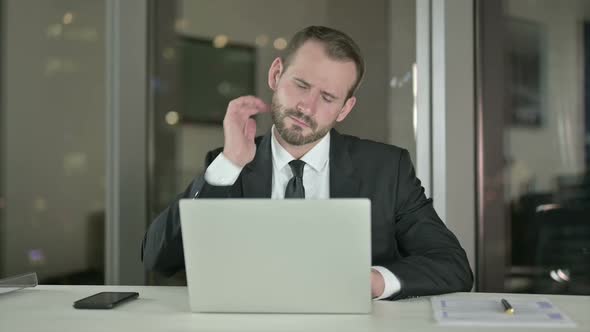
(105, 300)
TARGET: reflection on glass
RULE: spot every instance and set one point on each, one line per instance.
(68, 18)
(172, 118)
(220, 41)
(547, 187)
(262, 40)
(52, 162)
(280, 44)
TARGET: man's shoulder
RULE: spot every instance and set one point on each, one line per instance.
(360, 147)
(374, 159)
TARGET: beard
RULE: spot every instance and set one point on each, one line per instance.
(294, 134)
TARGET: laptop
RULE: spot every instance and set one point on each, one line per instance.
(277, 256)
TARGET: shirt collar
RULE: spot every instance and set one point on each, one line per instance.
(316, 158)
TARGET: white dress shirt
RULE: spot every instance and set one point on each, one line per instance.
(316, 180)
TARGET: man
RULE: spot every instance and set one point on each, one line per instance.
(303, 157)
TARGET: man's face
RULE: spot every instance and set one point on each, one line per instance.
(310, 94)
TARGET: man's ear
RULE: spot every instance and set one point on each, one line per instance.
(274, 73)
(346, 109)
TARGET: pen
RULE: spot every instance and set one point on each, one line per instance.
(507, 307)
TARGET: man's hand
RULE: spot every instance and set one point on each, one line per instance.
(377, 283)
(239, 129)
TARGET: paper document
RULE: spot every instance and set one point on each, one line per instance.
(462, 311)
(12, 284)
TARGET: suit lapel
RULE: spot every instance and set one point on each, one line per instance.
(257, 175)
(344, 180)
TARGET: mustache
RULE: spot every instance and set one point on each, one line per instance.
(301, 117)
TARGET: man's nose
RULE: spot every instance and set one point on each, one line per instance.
(308, 103)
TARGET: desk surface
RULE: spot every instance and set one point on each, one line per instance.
(49, 308)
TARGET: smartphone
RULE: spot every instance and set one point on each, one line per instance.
(105, 300)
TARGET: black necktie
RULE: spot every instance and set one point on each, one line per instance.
(295, 187)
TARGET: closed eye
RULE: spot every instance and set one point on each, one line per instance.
(327, 98)
(301, 85)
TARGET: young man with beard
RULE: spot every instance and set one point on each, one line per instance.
(303, 157)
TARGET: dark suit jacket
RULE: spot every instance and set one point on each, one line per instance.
(408, 237)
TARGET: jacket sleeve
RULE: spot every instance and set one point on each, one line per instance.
(433, 260)
(162, 249)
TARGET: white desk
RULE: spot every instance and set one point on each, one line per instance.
(49, 308)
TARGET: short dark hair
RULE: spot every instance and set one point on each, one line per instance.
(339, 46)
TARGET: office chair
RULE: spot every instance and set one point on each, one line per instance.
(563, 251)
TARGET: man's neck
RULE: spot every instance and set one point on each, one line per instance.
(297, 151)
